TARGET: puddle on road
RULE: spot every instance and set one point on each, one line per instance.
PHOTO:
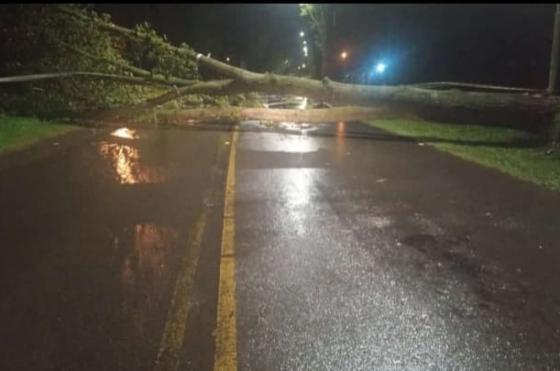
(126, 161)
(129, 159)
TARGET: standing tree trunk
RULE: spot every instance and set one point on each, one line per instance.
(554, 54)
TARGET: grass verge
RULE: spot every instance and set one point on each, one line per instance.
(517, 153)
(20, 132)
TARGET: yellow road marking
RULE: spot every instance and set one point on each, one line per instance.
(225, 357)
(174, 333)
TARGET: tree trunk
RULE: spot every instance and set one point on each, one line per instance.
(311, 116)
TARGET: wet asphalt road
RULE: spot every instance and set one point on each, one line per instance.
(354, 250)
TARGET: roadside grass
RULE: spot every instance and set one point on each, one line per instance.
(514, 152)
(20, 132)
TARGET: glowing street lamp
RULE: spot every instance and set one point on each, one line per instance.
(301, 34)
(227, 59)
(380, 67)
(343, 55)
(305, 51)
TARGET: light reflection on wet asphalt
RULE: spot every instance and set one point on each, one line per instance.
(142, 273)
(127, 162)
(328, 273)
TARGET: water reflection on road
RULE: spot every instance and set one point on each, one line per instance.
(127, 161)
(340, 149)
(143, 273)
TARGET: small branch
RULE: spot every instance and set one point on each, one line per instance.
(105, 76)
(215, 87)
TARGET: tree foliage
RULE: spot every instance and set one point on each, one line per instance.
(43, 40)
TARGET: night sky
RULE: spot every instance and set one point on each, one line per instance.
(499, 44)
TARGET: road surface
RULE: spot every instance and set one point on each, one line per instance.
(324, 247)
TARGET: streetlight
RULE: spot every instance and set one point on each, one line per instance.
(380, 67)
(343, 55)
(301, 34)
(305, 51)
(227, 59)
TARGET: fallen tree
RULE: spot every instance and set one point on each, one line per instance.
(513, 107)
(315, 115)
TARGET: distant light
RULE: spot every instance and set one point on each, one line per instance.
(286, 61)
(304, 42)
(299, 67)
(303, 65)
(305, 50)
(340, 126)
(301, 34)
(227, 59)
(209, 54)
(343, 55)
(380, 67)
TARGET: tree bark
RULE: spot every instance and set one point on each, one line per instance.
(311, 116)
